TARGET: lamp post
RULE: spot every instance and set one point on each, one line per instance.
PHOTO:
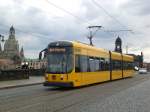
(2, 38)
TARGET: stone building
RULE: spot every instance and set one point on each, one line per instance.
(11, 52)
(138, 59)
(147, 65)
(35, 63)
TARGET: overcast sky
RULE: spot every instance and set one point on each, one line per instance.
(39, 22)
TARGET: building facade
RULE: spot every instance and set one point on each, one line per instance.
(146, 65)
(35, 63)
(11, 52)
(138, 59)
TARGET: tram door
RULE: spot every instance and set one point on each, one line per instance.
(78, 74)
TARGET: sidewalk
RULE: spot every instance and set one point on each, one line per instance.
(33, 80)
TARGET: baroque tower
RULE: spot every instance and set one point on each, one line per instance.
(118, 45)
(22, 53)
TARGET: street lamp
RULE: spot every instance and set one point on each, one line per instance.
(2, 38)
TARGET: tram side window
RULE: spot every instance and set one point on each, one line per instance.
(124, 65)
(102, 63)
(127, 65)
(77, 63)
(92, 64)
(81, 63)
(70, 63)
(107, 64)
(116, 65)
(97, 64)
(131, 65)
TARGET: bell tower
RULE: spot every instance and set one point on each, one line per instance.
(118, 45)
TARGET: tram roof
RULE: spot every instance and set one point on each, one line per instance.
(87, 46)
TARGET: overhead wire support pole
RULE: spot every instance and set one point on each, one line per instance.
(91, 35)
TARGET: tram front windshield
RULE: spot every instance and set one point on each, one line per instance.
(59, 63)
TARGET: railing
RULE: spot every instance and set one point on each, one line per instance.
(14, 74)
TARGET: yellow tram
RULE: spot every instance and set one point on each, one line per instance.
(74, 64)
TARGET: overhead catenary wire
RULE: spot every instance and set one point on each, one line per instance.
(29, 33)
(76, 17)
(62, 9)
(66, 11)
(108, 14)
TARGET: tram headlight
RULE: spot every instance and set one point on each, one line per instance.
(61, 77)
(46, 76)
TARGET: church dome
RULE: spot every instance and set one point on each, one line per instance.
(11, 46)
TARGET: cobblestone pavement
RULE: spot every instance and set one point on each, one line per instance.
(134, 99)
(127, 95)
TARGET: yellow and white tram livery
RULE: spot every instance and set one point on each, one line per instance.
(74, 64)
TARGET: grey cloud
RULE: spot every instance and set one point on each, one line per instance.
(92, 12)
(34, 24)
(137, 7)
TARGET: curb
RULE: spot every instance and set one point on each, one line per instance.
(17, 86)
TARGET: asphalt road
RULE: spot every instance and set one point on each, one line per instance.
(127, 95)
